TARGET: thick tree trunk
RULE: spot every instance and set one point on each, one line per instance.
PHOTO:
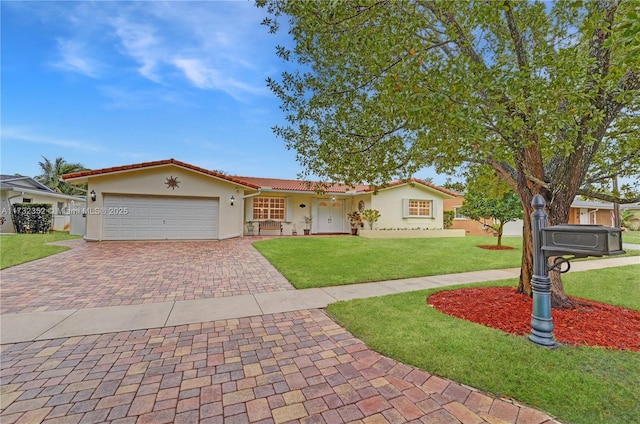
(559, 298)
(500, 229)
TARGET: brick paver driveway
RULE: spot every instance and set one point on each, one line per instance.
(125, 273)
(298, 367)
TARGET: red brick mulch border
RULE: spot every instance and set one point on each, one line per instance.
(589, 323)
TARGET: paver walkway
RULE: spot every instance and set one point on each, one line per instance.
(285, 361)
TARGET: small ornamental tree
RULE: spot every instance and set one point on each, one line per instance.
(506, 208)
(371, 216)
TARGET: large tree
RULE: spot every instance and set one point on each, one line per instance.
(544, 93)
(51, 175)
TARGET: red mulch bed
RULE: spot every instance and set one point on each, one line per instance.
(495, 247)
(589, 323)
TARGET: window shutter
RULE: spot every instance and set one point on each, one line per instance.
(405, 208)
(434, 209)
(289, 211)
(248, 209)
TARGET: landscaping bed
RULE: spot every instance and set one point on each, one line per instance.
(589, 323)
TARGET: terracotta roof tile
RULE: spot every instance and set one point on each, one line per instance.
(82, 174)
(299, 185)
(415, 181)
(256, 182)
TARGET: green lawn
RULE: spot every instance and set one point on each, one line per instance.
(329, 261)
(632, 237)
(20, 248)
(582, 385)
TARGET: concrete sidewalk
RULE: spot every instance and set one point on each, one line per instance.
(35, 326)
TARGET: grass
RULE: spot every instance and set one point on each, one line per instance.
(16, 249)
(330, 261)
(576, 384)
(632, 237)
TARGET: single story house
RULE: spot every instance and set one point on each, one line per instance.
(582, 212)
(20, 189)
(169, 199)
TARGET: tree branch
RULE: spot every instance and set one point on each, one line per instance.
(608, 197)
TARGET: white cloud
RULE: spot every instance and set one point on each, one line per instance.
(205, 77)
(32, 136)
(139, 41)
(76, 58)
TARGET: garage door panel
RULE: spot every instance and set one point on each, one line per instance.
(160, 218)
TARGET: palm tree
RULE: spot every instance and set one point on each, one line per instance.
(52, 173)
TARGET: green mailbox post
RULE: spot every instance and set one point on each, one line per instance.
(577, 241)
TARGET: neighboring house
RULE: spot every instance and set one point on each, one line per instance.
(582, 212)
(19, 189)
(169, 199)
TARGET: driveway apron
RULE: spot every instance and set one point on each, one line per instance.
(298, 366)
(94, 275)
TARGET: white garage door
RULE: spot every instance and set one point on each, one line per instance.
(159, 218)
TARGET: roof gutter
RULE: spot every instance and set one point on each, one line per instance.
(257, 193)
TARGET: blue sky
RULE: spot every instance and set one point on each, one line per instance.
(111, 83)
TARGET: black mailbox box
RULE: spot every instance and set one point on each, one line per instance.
(581, 240)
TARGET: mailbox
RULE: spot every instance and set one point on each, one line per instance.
(581, 240)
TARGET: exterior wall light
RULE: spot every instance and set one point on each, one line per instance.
(232, 200)
(93, 195)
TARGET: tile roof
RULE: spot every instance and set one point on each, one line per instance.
(416, 181)
(256, 182)
(115, 169)
(299, 185)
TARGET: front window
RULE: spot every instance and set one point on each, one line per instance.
(458, 214)
(419, 207)
(269, 208)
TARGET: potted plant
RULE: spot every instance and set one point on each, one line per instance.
(355, 220)
(294, 232)
(307, 222)
(250, 228)
(371, 216)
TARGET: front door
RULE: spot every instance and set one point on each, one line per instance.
(331, 216)
(584, 216)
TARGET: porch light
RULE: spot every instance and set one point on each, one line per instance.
(232, 200)
(93, 195)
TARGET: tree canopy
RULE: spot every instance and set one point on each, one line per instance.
(51, 173)
(546, 93)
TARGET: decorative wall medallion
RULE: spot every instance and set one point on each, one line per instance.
(172, 182)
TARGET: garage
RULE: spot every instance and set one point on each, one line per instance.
(132, 217)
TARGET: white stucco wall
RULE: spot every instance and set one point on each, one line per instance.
(151, 182)
(61, 218)
(389, 203)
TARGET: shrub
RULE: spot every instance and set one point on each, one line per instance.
(31, 217)
(447, 219)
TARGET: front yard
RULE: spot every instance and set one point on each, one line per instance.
(330, 261)
(576, 384)
(16, 249)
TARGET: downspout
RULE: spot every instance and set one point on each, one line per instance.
(595, 216)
